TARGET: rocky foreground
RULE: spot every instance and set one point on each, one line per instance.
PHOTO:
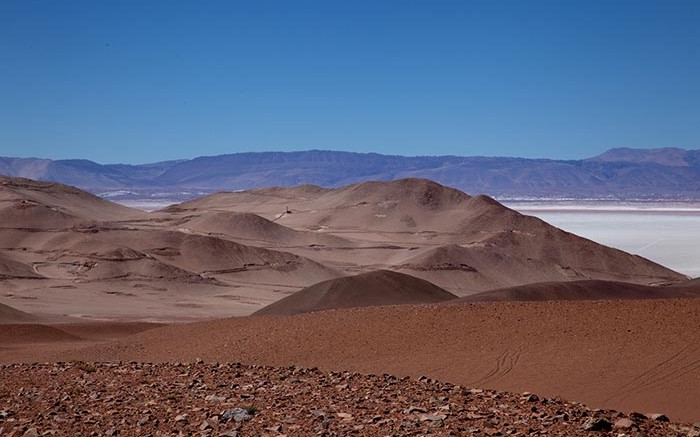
(237, 400)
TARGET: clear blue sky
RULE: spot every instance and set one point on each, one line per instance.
(141, 81)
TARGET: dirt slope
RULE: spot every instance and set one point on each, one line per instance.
(626, 355)
(582, 290)
(25, 203)
(12, 315)
(380, 287)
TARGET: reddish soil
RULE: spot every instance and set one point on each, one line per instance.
(235, 400)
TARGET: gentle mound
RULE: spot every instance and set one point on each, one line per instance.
(381, 287)
(12, 315)
(248, 226)
(33, 333)
(633, 355)
(25, 203)
(581, 290)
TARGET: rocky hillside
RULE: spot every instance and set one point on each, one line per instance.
(236, 400)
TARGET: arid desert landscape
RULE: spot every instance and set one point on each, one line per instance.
(403, 307)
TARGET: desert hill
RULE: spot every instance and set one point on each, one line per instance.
(462, 243)
(25, 203)
(254, 229)
(11, 315)
(11, 268)
(68, 252)
(380, 287)
(583, 290)
(623, 354)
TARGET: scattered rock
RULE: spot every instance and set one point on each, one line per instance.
(623, 424)
(431, 417)
(31, 432)
(236, 414)
(659, 417)
(169, 400)
(597, 424)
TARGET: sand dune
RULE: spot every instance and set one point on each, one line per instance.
(582, 290)
(368, 289)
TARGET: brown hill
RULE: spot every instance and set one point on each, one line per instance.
(25, 203)
(28, 333)
(11, 268)
(582, 290)
(252, 227)
(12, 315)
(486, 245)
(380, 287)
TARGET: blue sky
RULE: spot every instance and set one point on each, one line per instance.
(142, 81)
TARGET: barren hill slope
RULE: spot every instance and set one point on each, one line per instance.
(380, 287)
(624, 354)
(462, 243)
(582, 290)
(25, 203)
(12, 315)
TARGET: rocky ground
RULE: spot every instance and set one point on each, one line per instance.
(236, 400)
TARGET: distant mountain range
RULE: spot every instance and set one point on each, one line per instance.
(623, 173)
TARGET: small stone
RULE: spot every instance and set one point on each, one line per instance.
(658, 417)
(623, 424)
(531, 398)
(181, 418)
(424, 417)
(214, 398)
(236, 414)
(597, 424)
(205, 426)
(344, 416)
(638, 416)
(229, 434)
(31, 432)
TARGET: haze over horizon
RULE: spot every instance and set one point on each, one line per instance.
(134, 83)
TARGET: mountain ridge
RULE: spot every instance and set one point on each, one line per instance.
(621, 173)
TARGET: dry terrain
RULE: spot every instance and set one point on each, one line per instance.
(237, 400)
(406, 278)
